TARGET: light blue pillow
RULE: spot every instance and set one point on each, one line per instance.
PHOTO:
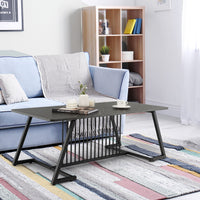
(26, 71)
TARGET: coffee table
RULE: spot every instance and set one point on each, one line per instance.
(88, 137)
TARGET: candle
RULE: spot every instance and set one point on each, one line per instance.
(91, 103)
(71, 103)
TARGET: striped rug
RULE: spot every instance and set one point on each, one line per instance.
(123, 177)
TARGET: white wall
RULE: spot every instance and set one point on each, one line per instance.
(109, 2)
(163, 55)
(51, 27)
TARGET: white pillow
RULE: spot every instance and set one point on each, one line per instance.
(1, 98)
(11, 89)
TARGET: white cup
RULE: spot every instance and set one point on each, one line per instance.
(122, 103)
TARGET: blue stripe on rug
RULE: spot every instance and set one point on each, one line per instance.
(168, 160)
(35, 157)
(141, 150)
(92, 189)
(147, 139)
(8, 157)
(182, 164)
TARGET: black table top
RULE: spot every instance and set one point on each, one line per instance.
(105, 109)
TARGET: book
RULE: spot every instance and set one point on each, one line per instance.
(135, 27)
(138, 25)
(130, 26)
(78, 110)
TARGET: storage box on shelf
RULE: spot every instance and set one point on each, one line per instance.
(105, 26)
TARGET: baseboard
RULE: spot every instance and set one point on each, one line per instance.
(171, 111)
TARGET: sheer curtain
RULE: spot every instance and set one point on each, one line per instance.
(190, 108)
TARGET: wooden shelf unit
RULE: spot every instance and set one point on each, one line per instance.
(116, 40)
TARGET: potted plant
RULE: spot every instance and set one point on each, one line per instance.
(83, 97)
(105, 53)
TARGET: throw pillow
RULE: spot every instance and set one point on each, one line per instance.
(135, 78)
(1, 98)
(11, 89)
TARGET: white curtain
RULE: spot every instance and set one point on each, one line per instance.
(190, 108)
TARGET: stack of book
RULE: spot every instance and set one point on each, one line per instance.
(78, 110)
(133, 26)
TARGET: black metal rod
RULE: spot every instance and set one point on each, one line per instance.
(62, 154)
(99, 131)
(109, 124)
(22, 141)
(155, 120)
(115, 130)
(83, 125)
(106, 132)
(71, 143)
(95, 136)
(102, 136)
(67, 125)
(87, 142)
(75, 144)
(113, 137)
(91, 135)
(116, 123)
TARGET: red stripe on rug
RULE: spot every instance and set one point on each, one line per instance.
(132, 186)
(12, 189)
(182, 173)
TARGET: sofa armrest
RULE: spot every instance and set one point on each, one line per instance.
(110, 82)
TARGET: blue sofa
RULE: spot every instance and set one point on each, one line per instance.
(43, 133)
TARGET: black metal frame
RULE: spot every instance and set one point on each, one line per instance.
(93, 129)
(161, 146)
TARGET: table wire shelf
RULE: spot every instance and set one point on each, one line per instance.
(94, 138)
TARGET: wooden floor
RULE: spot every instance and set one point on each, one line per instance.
(172, 132)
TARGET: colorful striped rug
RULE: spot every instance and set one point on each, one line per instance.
(123, 177)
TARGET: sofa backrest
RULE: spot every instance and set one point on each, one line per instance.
(26, 72)
(25, 69)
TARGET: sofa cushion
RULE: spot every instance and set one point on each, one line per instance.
(11, 89)
(26, 72)
(10, 119)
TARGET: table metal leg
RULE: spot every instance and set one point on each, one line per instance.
(69, 177)
(156, 125)
(15, 161)
(158, 133)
